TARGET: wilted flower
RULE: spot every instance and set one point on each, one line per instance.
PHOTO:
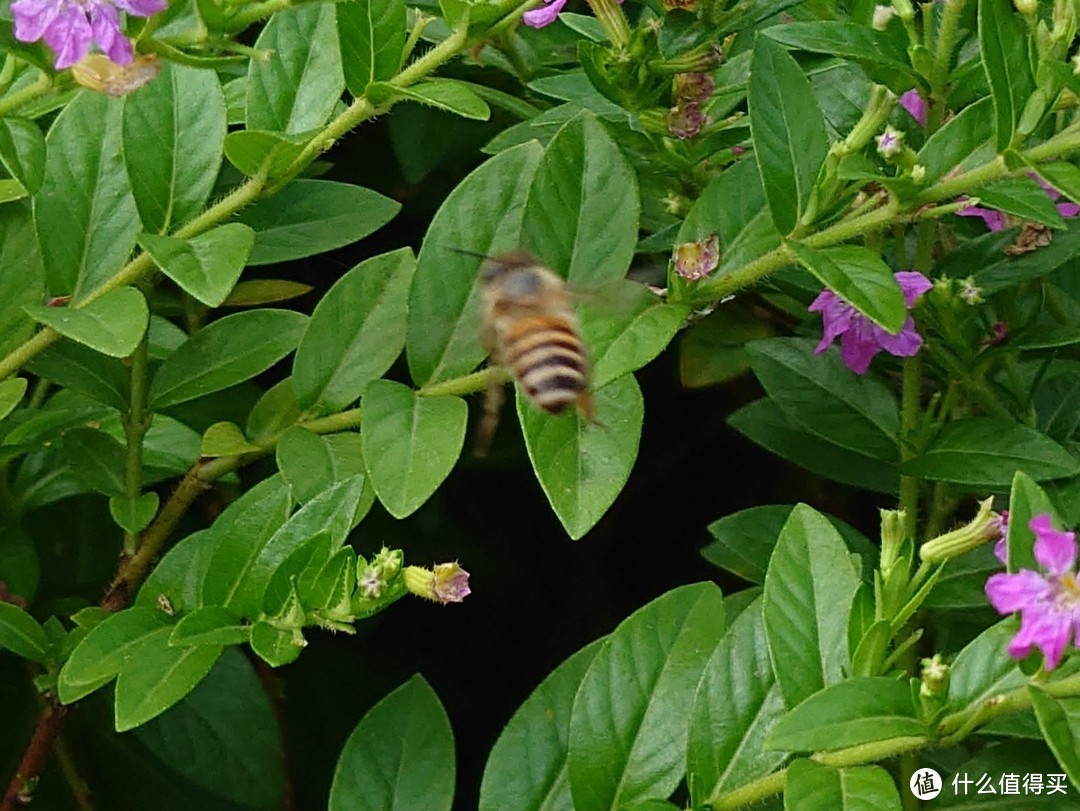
(696, 260)
(449, 583)
(100, 73)
(890, 142)
(860, 338)
(545, 14)
(913, 102)
(996, 220)
(1049, 603)
(696, 87)
(685, 120)
(69, 26)
(983, 528)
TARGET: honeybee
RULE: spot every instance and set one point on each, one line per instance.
(532, 331)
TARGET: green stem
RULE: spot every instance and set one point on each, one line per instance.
(255, 12)
(10, 104)
(946, 44)
(477, 381)
(136, 422)
(909, 423)
(955, 727)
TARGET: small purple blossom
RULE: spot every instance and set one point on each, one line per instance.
(696, 260)
(545, 14)
(860, 338)
(996, 220)
(913, 102)
(890, 142)
(1049, 602)
(70, 26)
(451, 584)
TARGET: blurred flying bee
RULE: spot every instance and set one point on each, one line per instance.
(532, 331)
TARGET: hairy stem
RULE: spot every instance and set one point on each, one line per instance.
(136, 423)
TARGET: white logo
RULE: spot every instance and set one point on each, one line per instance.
(925, 783)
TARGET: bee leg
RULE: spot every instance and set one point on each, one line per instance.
(489, 420)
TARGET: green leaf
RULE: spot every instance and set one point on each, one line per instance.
(98, 658)
(581, 217)
(209, 625)
(1003, 44)
(253, 292)
(808, 592)
(310, 217)
(295, 90)
(22, 151)
(526, 769)
(177, 578)
(81, 369)
(154, 676)
(744, 541)
(84, 212)
(987, 452)
(861, 278)
(97, 459)
(453, 97)
(312, 462)
(223, 736)
(711, 350)
(855, 412)
(113, 324)
(21, 634)
(276, 646)
(627, 729)
(229, 351)
(982, 669)
(274, 412)
(813, 787)
(788, 131)
(623, 341)
(400, 755)
(1060, 729)
(22, 275)
(1026, 500)
(225, 439)
(583, 466)
(848, 713)
(355, 334)
(959, 140)
(371, 34)
(11, 394)
(241, 533)
(410, 443)
(1065, 177)
(174, 133)
(257, 151)
(133, 514)
(206, 266)
(1022, 197)
(482, 215)
(845, 39)
(736, 703)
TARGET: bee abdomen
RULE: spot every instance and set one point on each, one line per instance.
(553, 377)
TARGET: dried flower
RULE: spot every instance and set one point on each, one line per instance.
(685, 120)
(100, 73)
(448, 583)
(696, 260)
(1048, 602)
(860, 338)
(693, 87)
(69, 26)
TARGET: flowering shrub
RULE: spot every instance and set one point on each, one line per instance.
(235, 403)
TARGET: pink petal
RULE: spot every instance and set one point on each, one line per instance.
(912, 284)
(33, 17)
(545, 15)
(858, 345)
(1054, 193)
(1054, 550)
(1001, 550)
(913, 102)
(142, 8)
(1045, 629)
(1068, 209)
(69, 36)
(105, 22)
(836, 315)
(904, 344)
(1011, 592)
(994, 220)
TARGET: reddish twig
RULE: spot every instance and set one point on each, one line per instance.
(21, 787)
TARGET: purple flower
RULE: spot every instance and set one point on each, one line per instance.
(545, 14)
(996, 220)
(890, 142)
(451, 584)
(1049, 604)
(860, 338)
(69, 26)
(913, 102)
(1001, 550)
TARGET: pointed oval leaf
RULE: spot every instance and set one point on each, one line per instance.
(400, 756)
(372, 38)
(987, 452)
(790, 142)
(84, 211)
(410, 443)
(1026, 500)
(154, 676)
(97, 459)
(627, 729)
(1021, 197)
(312, 462)
(253, 292)
(174, 134)
(22, 275)
(225, 439)
(206, 266)
(583, 466)
(1060, 724)
(809, 587)
(133, 514)
(22, 634)
(582, 213)
(734, 706)
(296, 88)
(209, 625)
(527, 766)
(483, 215)
(22, 151)
(355, 334)
(982, 669)
(309, 217)
(113, 324)
(229, 351)
(450, 96)
(11, 394)
(1003, 44)
(276, 646)
(255, 151)
(966, 135)
(849, 713)
(861, 278)
(814, 787)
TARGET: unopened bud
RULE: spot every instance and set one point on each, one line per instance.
(935, 677)
(890, 143)
(882, 15)
(984, 527)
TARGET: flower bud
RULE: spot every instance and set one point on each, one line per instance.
(890, 143)
(1028, 8)
(984, 527)
(970, 293)
(935, 677)
(882, 15)
(893, 533)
